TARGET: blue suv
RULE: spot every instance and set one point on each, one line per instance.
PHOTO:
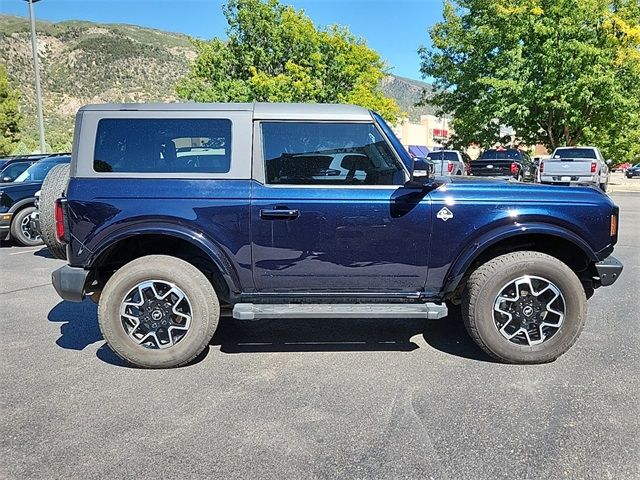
(298, 210)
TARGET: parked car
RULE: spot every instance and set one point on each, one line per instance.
(263, 228)
(633, 171)
(17, 202)
(572, 165)
(4, 161)
(13, 170)
(508, 163)
(449, 162)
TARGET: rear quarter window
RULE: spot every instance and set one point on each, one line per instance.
(162, 145)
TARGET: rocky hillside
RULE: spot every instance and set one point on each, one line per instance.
(84, 62)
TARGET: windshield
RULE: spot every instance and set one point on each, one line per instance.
(575, 153)
(453, 156)
(397, 145)
(500, 155)
(37, 171)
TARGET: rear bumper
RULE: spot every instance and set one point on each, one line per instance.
(69, 282)
(609, 270)
(568, 179)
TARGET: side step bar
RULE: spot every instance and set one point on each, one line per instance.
(255, 311)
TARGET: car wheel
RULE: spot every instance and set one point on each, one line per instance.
(603, 187)
(53, 187)
(158, 312)
(21, 230)
(524, 307)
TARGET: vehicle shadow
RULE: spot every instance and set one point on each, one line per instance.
(334, 335)
(44, 253)
(79, 329)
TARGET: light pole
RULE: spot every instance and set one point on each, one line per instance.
(36, 68)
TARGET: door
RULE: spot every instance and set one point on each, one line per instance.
(332, 214)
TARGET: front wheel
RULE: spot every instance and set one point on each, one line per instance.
(524, 307)
(158, 312)
(21, 230)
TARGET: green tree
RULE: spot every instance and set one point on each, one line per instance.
(561, 72)
(275, 53)
(10, 118)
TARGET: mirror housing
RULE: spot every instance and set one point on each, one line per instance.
(609, 162)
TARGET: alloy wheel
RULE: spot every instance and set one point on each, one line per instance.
(529, 310)
(156, 314)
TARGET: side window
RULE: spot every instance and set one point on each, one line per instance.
(308, 153)
(136, 145)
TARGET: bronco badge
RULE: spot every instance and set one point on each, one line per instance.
(444, 214)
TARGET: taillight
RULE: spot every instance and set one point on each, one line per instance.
(541, 167)
(59, 216)
(450, 167)
(514, 168)
(593, 167)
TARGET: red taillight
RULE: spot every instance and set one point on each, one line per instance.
(450, 167)
(593, 167)
(59, 216)
(514, 168)
(541, 167)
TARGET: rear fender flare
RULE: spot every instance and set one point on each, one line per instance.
(213, 251)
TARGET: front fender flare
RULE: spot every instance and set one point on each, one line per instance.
(213, 251)
(485, 241)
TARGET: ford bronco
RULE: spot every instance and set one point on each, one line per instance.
(175, 211)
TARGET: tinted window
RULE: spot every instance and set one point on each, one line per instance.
(501, 155)
(37, 171)
(15, 169)
(575, 153)
(163, 146)
(304, 153)
(453, 156)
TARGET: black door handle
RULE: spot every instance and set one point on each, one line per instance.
(279, 214)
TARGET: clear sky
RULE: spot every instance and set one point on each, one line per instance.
(394, 28)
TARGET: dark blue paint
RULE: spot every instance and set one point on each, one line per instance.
(358, 240)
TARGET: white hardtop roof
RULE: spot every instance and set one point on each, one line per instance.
(261, 111)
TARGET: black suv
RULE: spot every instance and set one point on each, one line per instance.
(504, 163)
(17, 201)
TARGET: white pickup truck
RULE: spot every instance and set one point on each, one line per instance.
(571, 165)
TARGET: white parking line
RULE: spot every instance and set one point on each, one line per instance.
(25, 251)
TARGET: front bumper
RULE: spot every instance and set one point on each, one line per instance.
(5, 225)
(69, 282)
(609, 270)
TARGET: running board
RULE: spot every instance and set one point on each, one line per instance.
(255, 311)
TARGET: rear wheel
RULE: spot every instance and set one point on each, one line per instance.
(524, 307)
(158, 312)
(21, 230)
(53, 187)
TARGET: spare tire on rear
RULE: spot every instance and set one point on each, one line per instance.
(53, 187)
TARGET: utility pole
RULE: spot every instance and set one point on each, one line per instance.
(36, 69)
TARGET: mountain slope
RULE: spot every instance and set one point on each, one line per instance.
(84, 62)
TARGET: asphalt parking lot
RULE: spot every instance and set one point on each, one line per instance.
(316, 399)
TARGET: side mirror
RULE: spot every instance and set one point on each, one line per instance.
(609, 162)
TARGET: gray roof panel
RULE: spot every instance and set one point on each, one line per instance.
(309, 111)
(261, 111)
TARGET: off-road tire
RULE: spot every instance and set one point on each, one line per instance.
(16, 230)
(483, 287)
(202, 296)
(53, 187)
